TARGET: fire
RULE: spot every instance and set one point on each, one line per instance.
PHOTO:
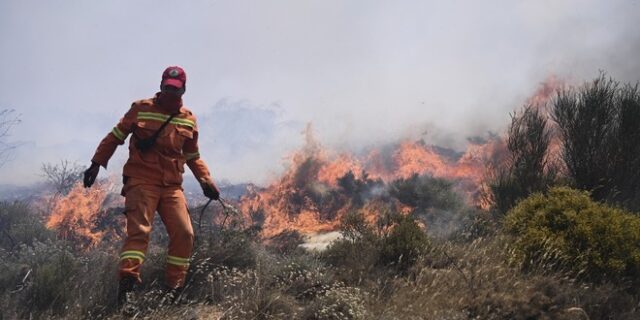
(310, 197)
(540, 100)
(77, 215)
(418, 158)
(295, 202)
(314, 193)
(332, 171)
(320, 186)
(414, 157)
(546, 91)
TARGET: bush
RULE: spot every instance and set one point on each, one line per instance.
(286, 243)
(598, 123)
(243, 295)
(301, 277)
(358, 190)
(404, 245)
(567, 229)
(479, 224)
(44, 277)
(234, 247)
(398, 242)
(19, 225)
(434, 202)
(528, 168)
(474, 280)
(355, 259)
(425, 192)
(338, 303)
(38, 275)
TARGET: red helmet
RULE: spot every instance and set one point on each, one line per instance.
(174, 76)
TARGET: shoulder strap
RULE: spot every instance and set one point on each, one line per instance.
(157, 133)
(147, 143)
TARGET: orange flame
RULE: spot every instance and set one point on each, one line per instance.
(545, 92)
(76, 216)
(307, 198)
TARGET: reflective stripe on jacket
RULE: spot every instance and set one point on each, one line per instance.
(176, 145)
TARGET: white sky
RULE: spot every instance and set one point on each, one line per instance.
(363, 72)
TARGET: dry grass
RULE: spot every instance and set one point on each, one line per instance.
(451, 279)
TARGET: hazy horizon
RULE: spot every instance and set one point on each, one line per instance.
(362, 72)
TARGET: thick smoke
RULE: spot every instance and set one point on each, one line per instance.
(364, 73)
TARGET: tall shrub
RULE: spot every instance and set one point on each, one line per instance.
(599, 125)
(528, 167)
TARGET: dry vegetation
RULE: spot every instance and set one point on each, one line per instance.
(546, 250)
(391, 270)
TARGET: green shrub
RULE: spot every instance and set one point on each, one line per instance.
(39, 276)
(479, 224)
(19, 225)
(234, 247)
(355, 256)
(566, 228)
(398, 242)
(354, 260)
(434, 201)
(404, 245)
(425, 192)
(286, 243)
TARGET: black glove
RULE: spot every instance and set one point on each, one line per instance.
(210, 190)
(91, 174)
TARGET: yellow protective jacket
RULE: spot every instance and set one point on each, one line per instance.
(176, 145)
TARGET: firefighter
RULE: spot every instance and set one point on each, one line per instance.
(164, 137)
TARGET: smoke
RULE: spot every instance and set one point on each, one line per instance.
(363, 72)
(246, 143)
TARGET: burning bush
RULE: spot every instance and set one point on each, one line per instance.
(359, 190)
(529, 167)
(83, 216)
(319, 188)
(567, 229)
(426, 192)
(433, 201)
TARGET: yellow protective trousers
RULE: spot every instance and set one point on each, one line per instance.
(142, 201)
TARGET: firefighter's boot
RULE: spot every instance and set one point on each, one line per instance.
(125, 291)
